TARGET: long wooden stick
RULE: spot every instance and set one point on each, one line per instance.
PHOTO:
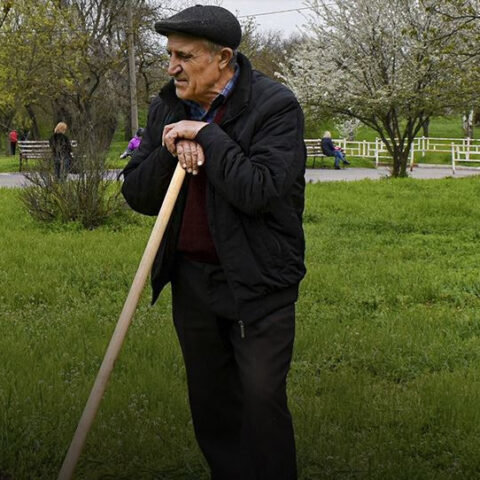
(123, 323)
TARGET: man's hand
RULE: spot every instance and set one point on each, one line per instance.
(190, 155)
(185, 129)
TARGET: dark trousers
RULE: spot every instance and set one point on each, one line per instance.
(13, 147)
(236, 385)
(61, 166)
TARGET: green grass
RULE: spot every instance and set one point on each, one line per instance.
(440, 127)
(116, 149)
(385, 382)
(8, 163)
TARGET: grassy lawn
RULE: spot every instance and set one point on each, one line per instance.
(9, 163)
(385, 382)
(440, 127)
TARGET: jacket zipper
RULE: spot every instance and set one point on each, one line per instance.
(242, 328)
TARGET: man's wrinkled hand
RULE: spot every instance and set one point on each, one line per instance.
(185, 129)
(190, 155)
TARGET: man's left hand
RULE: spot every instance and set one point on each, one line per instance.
(190, 155)
(185, 129)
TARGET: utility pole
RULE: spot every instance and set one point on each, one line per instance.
(131, 70)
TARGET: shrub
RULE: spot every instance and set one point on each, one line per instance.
(88, 195)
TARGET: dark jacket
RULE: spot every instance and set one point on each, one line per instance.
(61, 146)
(255, 166)
(328, 148)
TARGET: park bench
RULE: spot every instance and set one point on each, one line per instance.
(32, 149)
(35, 149)
(314, 149)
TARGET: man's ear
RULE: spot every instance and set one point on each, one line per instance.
(226, 55)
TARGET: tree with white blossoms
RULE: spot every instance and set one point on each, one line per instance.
(347, 127)
(463, 20)
(386, 63)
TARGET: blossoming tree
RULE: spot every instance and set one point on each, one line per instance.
(388, 63)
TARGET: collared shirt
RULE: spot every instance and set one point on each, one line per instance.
(197, 112)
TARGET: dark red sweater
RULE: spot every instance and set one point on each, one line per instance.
(195, 241)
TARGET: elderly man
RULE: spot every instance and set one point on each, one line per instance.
(234, 248)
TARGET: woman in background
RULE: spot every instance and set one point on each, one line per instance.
(330, 150)
(62, 150)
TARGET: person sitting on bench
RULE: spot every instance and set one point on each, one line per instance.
(330, 150)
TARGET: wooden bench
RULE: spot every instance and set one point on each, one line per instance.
(314, 149)
(35, 149)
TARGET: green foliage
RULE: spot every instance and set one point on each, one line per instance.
(385, 378)
(63, 59)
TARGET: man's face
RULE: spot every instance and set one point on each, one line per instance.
(195, 70)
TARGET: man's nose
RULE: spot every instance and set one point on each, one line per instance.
(174, 67)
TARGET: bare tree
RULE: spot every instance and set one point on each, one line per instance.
(70, 57)
(462, 19)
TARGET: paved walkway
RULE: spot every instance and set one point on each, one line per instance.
(351, 174)
(10, 180)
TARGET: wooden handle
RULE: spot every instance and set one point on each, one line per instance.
(123, 323)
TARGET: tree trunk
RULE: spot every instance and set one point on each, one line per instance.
(425, 127)
(108, 132)
(35, 131)
(468, 124)
(400, 162)
(476, 117)
(127, 125)
(61, 113)
(132, 74)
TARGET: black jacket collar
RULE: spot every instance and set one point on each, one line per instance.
(237, 101)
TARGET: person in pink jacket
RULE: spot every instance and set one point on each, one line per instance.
(133, 144)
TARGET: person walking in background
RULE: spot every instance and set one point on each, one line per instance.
(234, 248)
(330, 150)
(61, 150)
(133, 144)
(13, 139)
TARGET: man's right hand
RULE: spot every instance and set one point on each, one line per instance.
(190, 155)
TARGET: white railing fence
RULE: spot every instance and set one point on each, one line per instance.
(464, 154)
(461, 149)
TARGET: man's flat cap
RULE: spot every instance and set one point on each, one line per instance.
(216, 24)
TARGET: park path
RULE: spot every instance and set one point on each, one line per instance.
(11, 180)
(352, 174)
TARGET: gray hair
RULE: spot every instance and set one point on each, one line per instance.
(215, 47)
